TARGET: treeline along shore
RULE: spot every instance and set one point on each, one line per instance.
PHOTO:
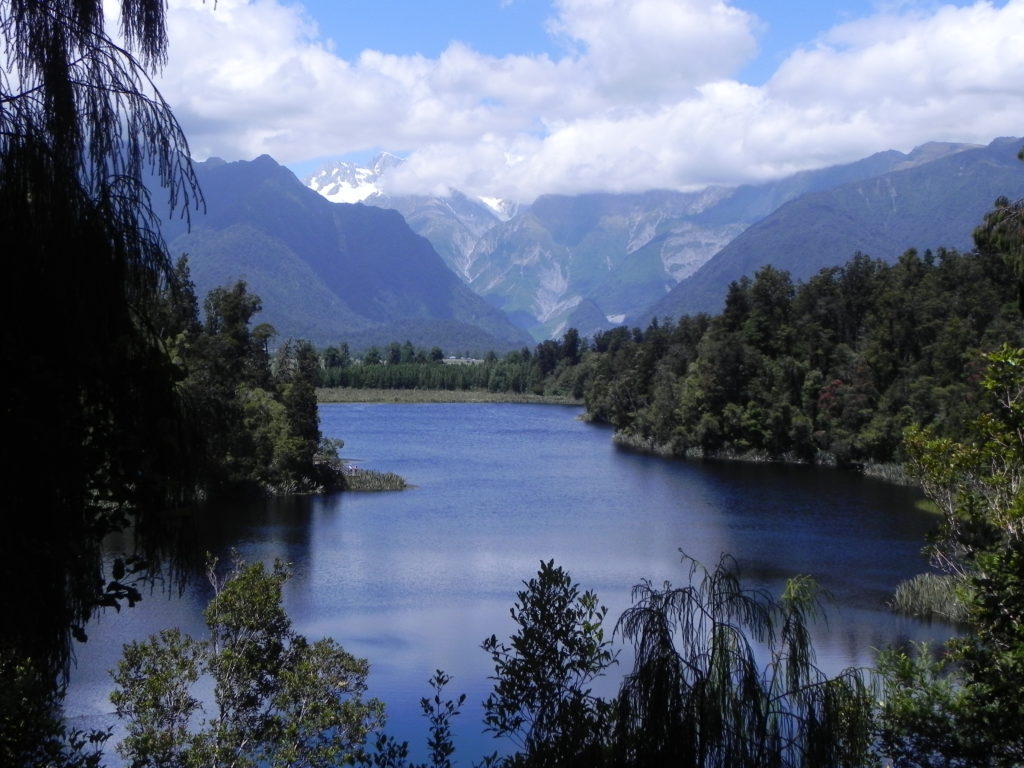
(830, 371)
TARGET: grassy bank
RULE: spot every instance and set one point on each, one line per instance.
(350, 395)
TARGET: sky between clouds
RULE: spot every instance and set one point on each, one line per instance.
(516, 98)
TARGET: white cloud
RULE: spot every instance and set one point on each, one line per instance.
(647, 96)
(655, 48)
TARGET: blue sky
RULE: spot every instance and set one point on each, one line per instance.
(518, 27)
(515, 98)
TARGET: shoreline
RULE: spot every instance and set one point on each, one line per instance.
(894, 474)
(351, 395)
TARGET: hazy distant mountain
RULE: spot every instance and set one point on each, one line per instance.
(330, 272)
(593, 261)
(608, 254)
(605, 258)
(453, 223)
(935, 198)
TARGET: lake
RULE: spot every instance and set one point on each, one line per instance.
(415, 580)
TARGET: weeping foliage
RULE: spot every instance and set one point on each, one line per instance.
(700, 694)
(93, 429)
(724, 675)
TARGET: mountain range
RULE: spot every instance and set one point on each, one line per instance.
(475, 274)
(327, 272)
(926, 205)
(596, 260)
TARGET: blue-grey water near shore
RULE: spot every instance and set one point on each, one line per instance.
(415, 580)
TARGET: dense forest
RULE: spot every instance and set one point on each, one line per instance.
(829, 371)
(402, 366)
(260, 429)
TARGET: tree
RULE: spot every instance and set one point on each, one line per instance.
(571, 347)
(297, 373)
(1002, 232)
(260, 426)
(92, 435)
(279, 699)
(697, 695)
(971, 696)
(233, 353)
(394, 353)
(32, 729)
(542, 696)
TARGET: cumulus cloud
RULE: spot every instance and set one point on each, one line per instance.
(646, 95)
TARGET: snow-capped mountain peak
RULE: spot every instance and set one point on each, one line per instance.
(344, 182)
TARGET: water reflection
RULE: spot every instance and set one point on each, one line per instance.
(415, 580)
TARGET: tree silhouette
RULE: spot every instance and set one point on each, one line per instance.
(93, 431)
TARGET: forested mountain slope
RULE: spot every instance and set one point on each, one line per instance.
(324, 270)
(928, 205)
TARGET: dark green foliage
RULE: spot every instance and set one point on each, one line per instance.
(93, 428)
(966, 708)
(698, 695)
(389, 753)
(552, 369)
(407, 368)
(260, 428)
(32, 729)
(542, 697)
(1002, 233)
(830, 371)
(440, 714)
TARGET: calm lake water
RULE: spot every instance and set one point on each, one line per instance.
(415, 580)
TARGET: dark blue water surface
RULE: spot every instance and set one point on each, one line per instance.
(415, 580)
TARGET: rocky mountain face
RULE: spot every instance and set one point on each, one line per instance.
(933, 202)
(453, 223)
(330, 272)
(594, 261)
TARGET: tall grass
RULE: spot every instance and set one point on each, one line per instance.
(370, 480)
(931, 596)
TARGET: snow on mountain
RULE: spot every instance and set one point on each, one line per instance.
(343, 182)
(453, 224)
(601, 259)
(503, 209)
